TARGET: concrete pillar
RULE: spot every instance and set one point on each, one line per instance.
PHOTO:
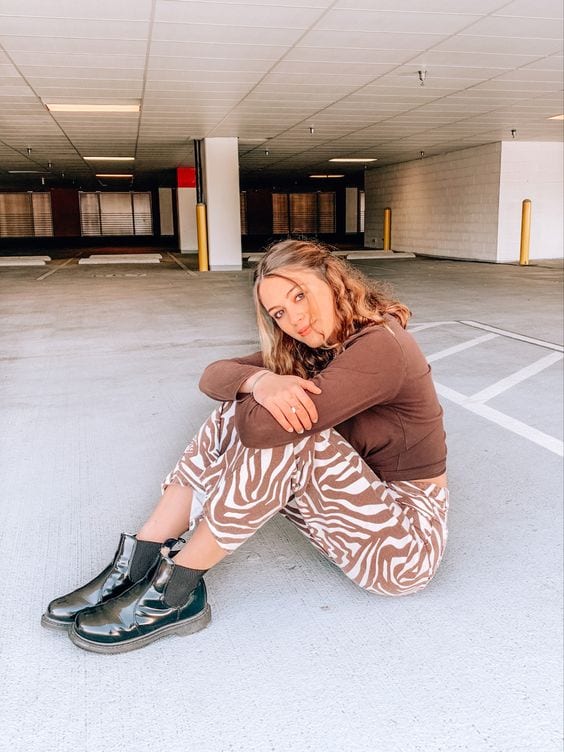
(166, 223)
(186, 203)
(221, 189)
(351, 210)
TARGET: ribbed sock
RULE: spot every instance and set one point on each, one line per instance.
(182, 581)
(144, 555)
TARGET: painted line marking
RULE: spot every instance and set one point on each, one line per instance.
(516, 378)
(429, 325)
(189, 272)
(504, 421)
(60, 266)
(460, 347)
(513, 335)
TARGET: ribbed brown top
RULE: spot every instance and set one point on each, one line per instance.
(377, 393)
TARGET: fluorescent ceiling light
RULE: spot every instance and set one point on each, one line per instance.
(92, 107)
(109, 159)
(327, 176)
(354, 159)
(23, 172)
(113, 175)
(556, 117)
(243, 140)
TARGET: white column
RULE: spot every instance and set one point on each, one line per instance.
(531, 169)
(187, 231)
(165, 211)
(221, 185)
(351, 210)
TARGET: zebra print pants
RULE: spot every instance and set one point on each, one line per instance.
(387, 537)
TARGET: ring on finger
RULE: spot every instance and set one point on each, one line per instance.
(294, 409)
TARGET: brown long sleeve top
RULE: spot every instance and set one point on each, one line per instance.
(377, 393)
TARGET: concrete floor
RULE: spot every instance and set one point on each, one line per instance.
(99, 397)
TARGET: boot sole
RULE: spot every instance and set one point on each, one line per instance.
(61, 626)
(185, 628)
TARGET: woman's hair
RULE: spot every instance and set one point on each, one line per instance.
(359, 302)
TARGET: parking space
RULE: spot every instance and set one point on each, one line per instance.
(100, 369)
(509, 379)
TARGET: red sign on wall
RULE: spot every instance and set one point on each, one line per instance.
(186, 177)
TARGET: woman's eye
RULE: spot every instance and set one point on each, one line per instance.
(278, 314)
(299, 296)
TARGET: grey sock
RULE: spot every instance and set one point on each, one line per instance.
(182, 581)
(144, 555)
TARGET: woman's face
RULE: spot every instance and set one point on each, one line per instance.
(301, 303)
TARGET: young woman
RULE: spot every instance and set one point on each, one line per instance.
(335, 424)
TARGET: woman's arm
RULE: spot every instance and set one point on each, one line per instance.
(223, 380)
(227, 380)
(368, 372)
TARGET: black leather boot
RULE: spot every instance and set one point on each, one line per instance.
(113, 580)
(141, 615)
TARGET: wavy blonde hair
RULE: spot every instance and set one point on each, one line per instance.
(359, 302)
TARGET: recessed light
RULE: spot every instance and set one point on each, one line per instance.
(354, 159)
(113, 175)
(92, 107)
(556, 117)
(109, 159)
(327, 176)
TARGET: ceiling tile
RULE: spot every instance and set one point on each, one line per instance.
(532, 9)
(73, 28)
(241, 14)
(371, 40)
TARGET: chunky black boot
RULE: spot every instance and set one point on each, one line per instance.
(143, 614)
(132, 561)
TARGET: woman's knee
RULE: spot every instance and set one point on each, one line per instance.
(403, 584)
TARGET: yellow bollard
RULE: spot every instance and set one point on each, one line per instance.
(387, 229)
(525, 232)
(201, 225)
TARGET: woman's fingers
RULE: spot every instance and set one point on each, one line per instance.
(281, 418)
(306, 411)
(310, 386)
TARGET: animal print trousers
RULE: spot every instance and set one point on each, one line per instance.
(388, 538)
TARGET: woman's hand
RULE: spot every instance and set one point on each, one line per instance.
(286, 399)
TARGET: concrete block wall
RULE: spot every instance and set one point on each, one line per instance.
(445, 205)
(534, 170)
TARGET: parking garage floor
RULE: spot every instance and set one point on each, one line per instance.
(100, 367)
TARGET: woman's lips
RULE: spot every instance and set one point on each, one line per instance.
(304, 332)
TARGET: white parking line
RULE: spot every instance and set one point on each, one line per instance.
(516, 378)
(189, 272)
(429, 325)
(505, 421)
(460, 347)
(513, 335)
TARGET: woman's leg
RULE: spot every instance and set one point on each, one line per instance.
(171, 517)
(388, 538)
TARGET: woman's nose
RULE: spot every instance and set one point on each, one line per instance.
(296, 316)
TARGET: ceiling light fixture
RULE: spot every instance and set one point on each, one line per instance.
(109, 159)
(353, 159)
(53, 107)
(556, 117)
(23, 172)
(327, 176)
(113, 175)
